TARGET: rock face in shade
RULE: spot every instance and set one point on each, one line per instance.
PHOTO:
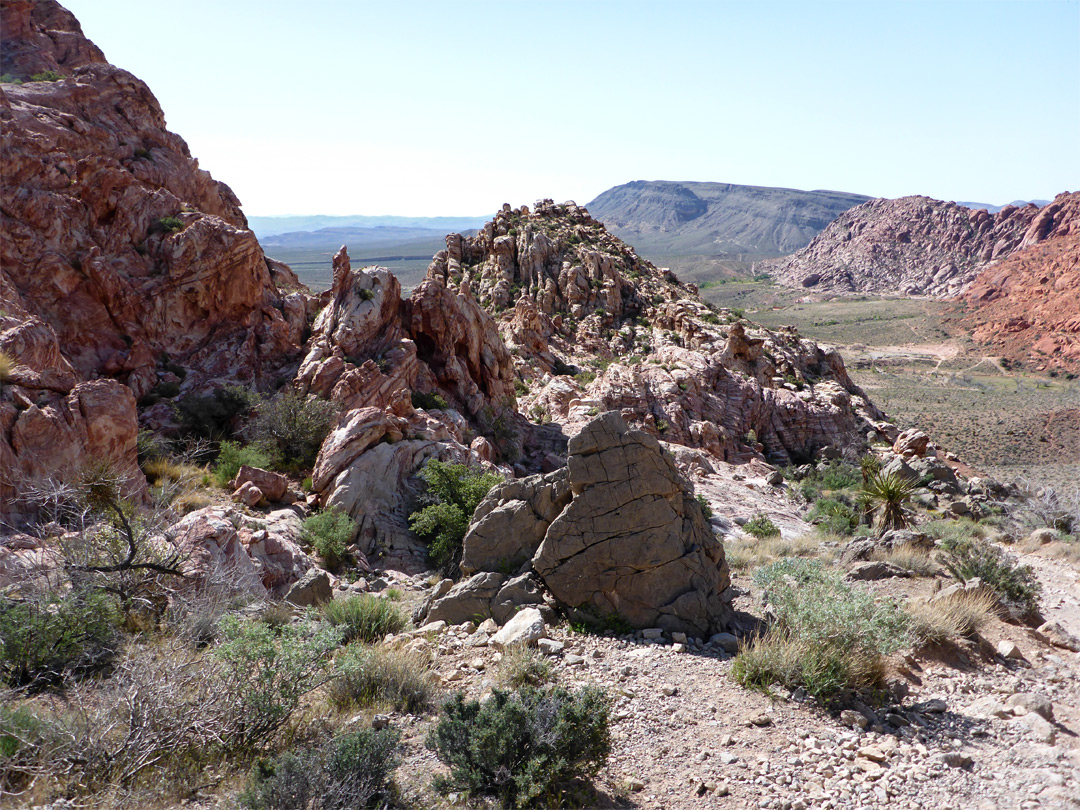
(911, 245)
(616, 533)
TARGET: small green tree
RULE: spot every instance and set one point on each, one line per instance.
(453, 493)
(329, 533)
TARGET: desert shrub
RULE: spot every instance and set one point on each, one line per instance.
(951, 532)
(47, 76)
(834, 516)
(1016, 585)
(233, 456)
(380, 676)
(45, 636)
(329, 533)
(890, 492)
(270, 670)
(453, 493)
(748, 553)
(26, 743)
(293, 426)
(706, 510)
(364, 617)
(959, 615)
(168, 225)
(521, 748)
(429, 401)
(365, 295)
(914, 560)
(351, 771)
(836, 476)
(826, 636)
(212, 416)
(7, 365)
(524, 666)
(761, 526)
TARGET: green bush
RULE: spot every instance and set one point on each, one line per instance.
(269, 670)
(429, 401)
(364, 617)
(379, 676)
(835, 476)
(1015, 585)
(453, 493)
(25, 740)
(522, 748)
(704, 504)
(293, 426)
(826, 636)
(232, 456)
(834, 516)
(761, 526)
(47, 76)
(168, 225)
(524, 666)
(329, 533)
(353, 770)
(212, 416)
(42, 638)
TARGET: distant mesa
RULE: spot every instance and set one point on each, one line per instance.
(674, 222)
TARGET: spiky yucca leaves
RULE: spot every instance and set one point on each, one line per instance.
(891, 492)
(7, 365)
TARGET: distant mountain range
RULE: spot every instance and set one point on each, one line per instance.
(272, 226)
(668, 221)
(358, 238)
(993, 209)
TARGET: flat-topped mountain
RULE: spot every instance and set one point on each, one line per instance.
(672, 219)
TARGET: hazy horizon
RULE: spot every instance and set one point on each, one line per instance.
(438, 108)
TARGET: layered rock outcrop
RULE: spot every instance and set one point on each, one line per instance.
(617, 533)
(1027, 307)
(123, 266)
(911, 245)
(112, 234)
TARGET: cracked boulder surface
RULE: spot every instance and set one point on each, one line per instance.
(617, 533)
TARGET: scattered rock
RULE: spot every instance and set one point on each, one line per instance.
(527, 627)
(313, 589)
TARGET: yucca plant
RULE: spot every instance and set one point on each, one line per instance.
(891, 492)
(7, 365)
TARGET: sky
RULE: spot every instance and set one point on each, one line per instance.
(453, 107)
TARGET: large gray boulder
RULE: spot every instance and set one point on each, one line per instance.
(633, 542)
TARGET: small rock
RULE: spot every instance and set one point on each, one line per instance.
(989, 707)
(759, 719)
(574, 660)
(488, 626)
(478, 664)
(1038, 728)
(678, 648)
(678, 638)
(872, 753)
(633, 784)
(526, 627)
(1042, 536)
(726, 641)
(432, 627)
(933, 706)
(669, 690)
(1026, 702)
(549, 646)
(853, 719)
(652, 633)
(1059, 636)
(380, 721)
(955, 759)
(1009, 650)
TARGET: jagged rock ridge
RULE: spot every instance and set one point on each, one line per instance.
(911, 245)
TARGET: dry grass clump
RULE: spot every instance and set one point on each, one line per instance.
(364, 617)
(187, 502)
(524, 666)
(750, 552)
(7, 365)
(914, 560)
(378, 676)
(959, 615)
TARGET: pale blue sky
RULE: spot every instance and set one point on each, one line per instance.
(429, 108)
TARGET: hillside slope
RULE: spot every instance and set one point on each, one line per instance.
(663, 218)
(911, 245)
(1028, 306)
